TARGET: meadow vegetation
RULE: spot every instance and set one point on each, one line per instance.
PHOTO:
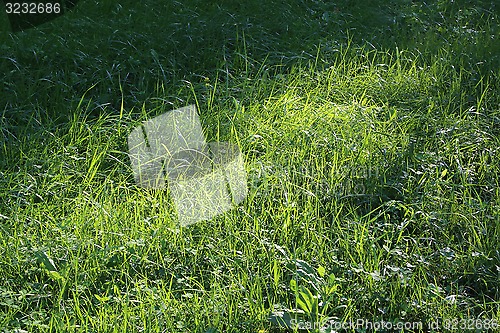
(370, 132)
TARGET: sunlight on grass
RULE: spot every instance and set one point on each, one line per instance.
(373, 176)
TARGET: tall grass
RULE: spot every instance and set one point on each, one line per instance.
(372, 160)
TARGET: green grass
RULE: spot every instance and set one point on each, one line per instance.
(371, 139)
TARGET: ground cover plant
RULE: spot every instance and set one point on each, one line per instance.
(371, 138)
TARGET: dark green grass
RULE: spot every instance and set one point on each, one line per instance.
(370, 134)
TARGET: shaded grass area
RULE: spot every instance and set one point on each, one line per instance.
(371, 140)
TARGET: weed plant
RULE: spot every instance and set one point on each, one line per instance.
(371, 140)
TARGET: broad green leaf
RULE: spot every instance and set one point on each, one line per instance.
(321, 271)
(307, 301)
(102, 298)
(43, 259)
(309, 275)
(55, 275)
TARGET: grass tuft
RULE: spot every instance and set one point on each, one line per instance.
(370, 142)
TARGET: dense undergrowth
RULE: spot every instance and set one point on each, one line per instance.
(371, 138)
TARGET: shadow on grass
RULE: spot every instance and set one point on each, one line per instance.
(132, 45)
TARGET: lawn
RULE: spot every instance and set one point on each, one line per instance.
(371, 137)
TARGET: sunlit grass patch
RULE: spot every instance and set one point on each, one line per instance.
(372, 168)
